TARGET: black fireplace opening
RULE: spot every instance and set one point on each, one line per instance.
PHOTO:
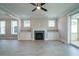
(39, 35)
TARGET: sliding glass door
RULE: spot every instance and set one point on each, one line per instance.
(74, 29)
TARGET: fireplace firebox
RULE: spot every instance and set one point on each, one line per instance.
(39, 35)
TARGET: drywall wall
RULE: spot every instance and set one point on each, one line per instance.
(39, 21)
(62, 28)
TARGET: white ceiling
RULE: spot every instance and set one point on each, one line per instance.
(24, 10)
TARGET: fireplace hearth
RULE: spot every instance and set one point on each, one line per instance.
(39, 35)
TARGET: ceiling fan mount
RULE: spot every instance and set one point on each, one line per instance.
(38, 6)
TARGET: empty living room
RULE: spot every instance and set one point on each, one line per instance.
(39, 29)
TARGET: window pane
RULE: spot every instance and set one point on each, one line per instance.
(26, 23)
(74, 26)
(3, 30)
(2, 27)
(51, 23)
(14, 27)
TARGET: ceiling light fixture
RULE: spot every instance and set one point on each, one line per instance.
(38, 7)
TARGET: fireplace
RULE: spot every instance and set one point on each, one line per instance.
(39, 35)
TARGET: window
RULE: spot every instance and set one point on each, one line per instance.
(74, 25)
(14, 27)
(26, 23)
(2, 27)
(51, 23)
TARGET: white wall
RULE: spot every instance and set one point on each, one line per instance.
(62, 27)
(39, 23)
